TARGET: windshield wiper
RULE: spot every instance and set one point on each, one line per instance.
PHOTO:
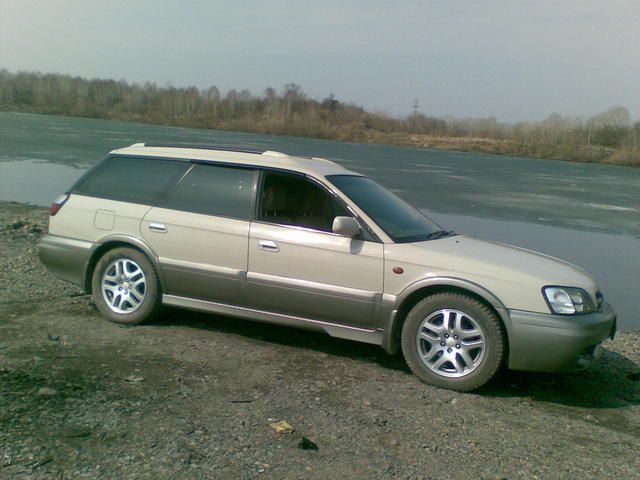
(440, 234)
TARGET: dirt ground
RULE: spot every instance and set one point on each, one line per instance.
(193, 396)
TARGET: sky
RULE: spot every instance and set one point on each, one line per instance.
(515, 60)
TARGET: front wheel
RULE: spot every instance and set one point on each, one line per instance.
(125, 286)
(453, 341)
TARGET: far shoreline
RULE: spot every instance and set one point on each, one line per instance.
(369, 136)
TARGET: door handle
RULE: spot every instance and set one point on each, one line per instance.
(158, 227)
(268, 245)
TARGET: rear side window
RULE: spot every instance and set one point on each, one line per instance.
(132, 179)
(215, 190)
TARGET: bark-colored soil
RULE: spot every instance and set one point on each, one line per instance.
(192, 396)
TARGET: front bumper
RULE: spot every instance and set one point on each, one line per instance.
(66, 258)
(548, 343)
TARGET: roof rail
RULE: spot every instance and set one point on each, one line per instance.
(199, 146)
(273, 153)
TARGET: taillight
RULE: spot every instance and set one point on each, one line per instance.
(58, 203)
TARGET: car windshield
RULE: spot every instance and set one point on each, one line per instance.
(398, 219)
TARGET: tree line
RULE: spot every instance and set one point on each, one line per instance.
(608, 137)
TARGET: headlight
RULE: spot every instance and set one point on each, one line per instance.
(568, 300)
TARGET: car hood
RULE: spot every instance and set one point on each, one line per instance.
(509, 272)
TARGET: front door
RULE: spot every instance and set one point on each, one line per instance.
(201, 234)
(298, 267)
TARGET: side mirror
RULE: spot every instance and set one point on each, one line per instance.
(345, 226)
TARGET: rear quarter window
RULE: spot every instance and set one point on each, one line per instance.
(215, 190)
(133, 179)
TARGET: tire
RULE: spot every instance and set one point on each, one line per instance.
(128, 274)
(453, 341)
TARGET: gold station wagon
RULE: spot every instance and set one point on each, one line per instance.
(304, 242)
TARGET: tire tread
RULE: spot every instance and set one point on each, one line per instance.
(465, 384)
(152, 303)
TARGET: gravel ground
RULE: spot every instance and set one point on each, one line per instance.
(193, 396)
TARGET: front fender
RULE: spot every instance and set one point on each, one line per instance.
(392, 324)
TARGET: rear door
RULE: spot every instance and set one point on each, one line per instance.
(201, 234)
(297, 266)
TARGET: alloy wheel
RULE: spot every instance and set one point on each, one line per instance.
(123, 285)
(450, 343)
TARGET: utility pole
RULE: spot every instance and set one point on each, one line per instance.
(414, 121)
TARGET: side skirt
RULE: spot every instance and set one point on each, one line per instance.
(374, 337)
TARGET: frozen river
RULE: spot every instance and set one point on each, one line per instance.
(587, 214)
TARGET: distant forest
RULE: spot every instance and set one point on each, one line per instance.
(607, 137)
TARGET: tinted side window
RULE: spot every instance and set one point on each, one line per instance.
(293, 200)
(215, 190)
(131, 179)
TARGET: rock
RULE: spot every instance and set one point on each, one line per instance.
(16, 225)
(77, 432)
(306, 444)
(282, 426)
(47, 392)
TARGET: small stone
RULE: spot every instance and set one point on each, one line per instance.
(282, 426)
(47, 392)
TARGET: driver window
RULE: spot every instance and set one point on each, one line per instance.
(293, 200)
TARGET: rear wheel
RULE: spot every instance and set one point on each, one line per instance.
(125, 286)
(453, 341)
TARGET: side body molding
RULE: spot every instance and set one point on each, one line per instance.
(390, 343)
(373, 336)
(121, 239)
